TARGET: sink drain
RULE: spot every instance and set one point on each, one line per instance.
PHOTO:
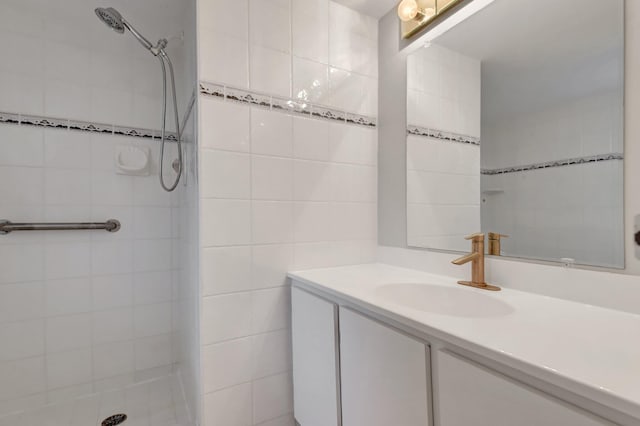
(114, 420)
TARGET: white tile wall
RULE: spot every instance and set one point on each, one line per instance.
(82, 311)
(298, 213)
(580, 219)
(443, 177)
(76, 289)
(436, 98)
(587, 126)
(301, 192)
(315, 50)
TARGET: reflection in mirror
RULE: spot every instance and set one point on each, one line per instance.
(515, 126)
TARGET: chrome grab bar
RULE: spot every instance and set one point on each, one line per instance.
(6, 226)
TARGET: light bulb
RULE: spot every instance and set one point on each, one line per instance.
(407, 10)
(429, 12)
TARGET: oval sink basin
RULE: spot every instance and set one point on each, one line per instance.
(459, 302)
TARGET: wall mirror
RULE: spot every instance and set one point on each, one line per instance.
(518, 131)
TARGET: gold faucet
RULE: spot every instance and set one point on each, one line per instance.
(476, 257)
(494, 243)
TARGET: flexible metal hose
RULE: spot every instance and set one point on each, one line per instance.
(162, 57)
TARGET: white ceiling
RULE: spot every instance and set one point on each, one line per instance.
(375, 8)
(537, 52)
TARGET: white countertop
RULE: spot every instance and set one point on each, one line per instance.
(591, 351)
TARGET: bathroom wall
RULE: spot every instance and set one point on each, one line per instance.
(287, 181)
(583, 217)
(443, 175)
(86, 310)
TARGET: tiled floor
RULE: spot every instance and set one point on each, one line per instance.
(158, 402)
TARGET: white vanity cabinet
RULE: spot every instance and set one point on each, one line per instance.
(469, 394)
(315, 360)
(383, 374)
(352, 370)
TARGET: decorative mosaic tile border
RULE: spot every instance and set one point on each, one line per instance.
(288, 105)
(557, 163)
(442, 135)
(83, 126)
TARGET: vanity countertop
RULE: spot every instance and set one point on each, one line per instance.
(591, 351)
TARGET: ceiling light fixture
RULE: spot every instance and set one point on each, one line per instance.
(418, 14)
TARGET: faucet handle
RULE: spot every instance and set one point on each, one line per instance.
(477, 237)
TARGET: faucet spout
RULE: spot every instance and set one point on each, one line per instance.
(466, 259)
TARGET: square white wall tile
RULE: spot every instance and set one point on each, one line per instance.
(270, 264)
(225, 222)
(69, 368)
(225, 174)
(152, 352)
(224, 125)
(68, 332)
(272, 397)
(113, 359)
(270, 309)
(224, 58)
(214, 14)
(113, 325)
(310, 81)
(27, 185)
(312, 181)
(226, 270)
(22, 377)
(271, 222)
(226, 317)
(269, 24)
(270, 71)
(272, 178)
(231, 406)
(151, 287)
(22, 340)
(225, 364)
(312, 221)
(310, 139)
(112, 291)
(271, 353)
(271, 133)
(310, 26)
(152, 320)
(23, 262)
(21, 301)
(21, 146)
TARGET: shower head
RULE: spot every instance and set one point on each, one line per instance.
(111, 18)
(114, 20)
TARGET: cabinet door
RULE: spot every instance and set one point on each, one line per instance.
(315, 372)
(384, 375)
(468, 394)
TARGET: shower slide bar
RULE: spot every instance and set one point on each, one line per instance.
(111, 225)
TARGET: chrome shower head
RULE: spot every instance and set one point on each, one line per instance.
(111, 18)
(115, 21)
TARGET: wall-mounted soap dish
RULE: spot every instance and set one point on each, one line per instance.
(132, 160)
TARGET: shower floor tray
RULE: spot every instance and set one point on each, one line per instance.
(158, 402)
